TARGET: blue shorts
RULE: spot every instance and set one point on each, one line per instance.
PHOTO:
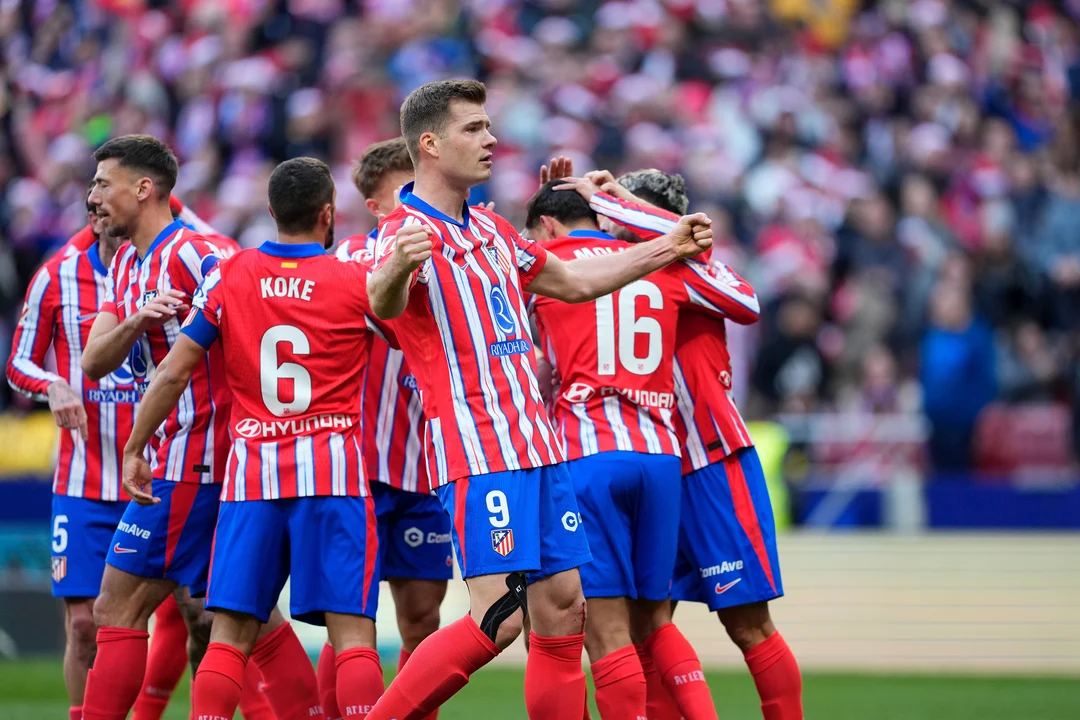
(516, 521)
(727, 540)
(172, 539)
(82, 530)
(414, 535)
(630, 511)
(328, 544)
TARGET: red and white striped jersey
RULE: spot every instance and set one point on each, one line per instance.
(192, 444)
(61, 303)
(391, 414)
(709, 424)
(295, 368)
(614, 354)
(465, 334)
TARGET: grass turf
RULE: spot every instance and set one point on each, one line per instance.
(34, 690)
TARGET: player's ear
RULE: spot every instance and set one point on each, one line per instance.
(429, 143)
(271, 209)
(549, 225)
(326, 215)
(372, 206)
(144, 188)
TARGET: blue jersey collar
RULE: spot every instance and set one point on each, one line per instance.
(95, 259)
(292, 250)
(408, 198)
(162, 237)
(591, 234)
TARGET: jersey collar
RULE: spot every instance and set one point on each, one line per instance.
(590, 234)
(292, 250)
(94, 253)
(162, 237)
(408, 198)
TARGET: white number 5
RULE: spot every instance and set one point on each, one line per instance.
(59, 534)
(497, 506)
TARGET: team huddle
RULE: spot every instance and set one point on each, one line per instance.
(551, 407)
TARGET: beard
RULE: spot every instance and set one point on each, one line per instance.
(114, 230)
(328, 241)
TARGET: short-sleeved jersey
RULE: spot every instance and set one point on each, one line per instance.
(465, 334)
(614, 354)
(296, 328)
(192, 444)
(708, 422)
(61, 304)
(391, 414)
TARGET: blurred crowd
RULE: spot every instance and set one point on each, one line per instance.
(899, 180)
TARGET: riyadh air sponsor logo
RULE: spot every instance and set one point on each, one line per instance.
(721, 589)
(133, 529)
(500, 310)
(509, 347)
(409, 381)
(579, 393)
(251, 428)
(571, 520)
(723, 567)
(116, 397)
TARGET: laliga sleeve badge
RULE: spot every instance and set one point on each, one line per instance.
(502, 541)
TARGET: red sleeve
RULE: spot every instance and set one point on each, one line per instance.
(645, 221)
(190, 262)
(718, 291)
(34, 334)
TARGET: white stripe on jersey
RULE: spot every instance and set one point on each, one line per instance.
(30, 321)
(269, 471)
(384, 420)
(695, 446)
(669, 425)
(413, 446)
(463, 287)
(474, 453)
(719, 283)
(360, 466)
(69, 301)
(337, 463)
(648, 430)
(434, 432)
(590, 444)
(613, 413)
(305, 466)
(107, 422)
(240, 491)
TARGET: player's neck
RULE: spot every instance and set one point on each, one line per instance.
(585, 225)
(149, 225)
(300, 239)
(107, 248)
(443, 197)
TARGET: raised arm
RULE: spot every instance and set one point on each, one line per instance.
(110, 340)
(586, 279)
(171, 378)
(404, 252)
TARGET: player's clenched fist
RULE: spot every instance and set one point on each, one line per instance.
(692, 235)
(137, 481)
(162, 308)
(412, 246)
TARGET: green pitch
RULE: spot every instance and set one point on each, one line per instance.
(34, 690)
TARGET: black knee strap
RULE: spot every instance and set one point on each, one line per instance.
(516, 597)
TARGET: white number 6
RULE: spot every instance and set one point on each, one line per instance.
(497, 506)
(60, 535)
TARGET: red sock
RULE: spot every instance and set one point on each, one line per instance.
(620, 685)
(554, 680)
(165, 663)
(437, 669)
(659, 704)
(112, 686)
(216, 691)
(253, 702)
(403, 657)
(360, 681)
(680, 671)
(326, 675)
(291, 687)
(75, 713)
(776, 674)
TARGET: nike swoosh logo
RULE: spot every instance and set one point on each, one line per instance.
(84, 318)
(721, 589)
(120, 551)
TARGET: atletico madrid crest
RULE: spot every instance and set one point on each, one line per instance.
(502, 541)
(59, 568)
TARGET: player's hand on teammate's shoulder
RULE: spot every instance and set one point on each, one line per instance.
(138, 483)
(412, 246)
(163, 308)
(692, 235)
(67, 408)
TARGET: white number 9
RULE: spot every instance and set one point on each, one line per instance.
(497, 506)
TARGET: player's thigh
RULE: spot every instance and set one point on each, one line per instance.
(726, 543)
(417, 543)
(656, 525)
(332, 543)
(250, 557)
(81, 532)
(495, 521)
(563, 544)
(602, 486)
